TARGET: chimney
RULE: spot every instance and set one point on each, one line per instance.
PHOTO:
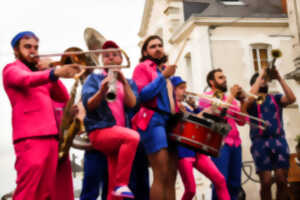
(284, 6)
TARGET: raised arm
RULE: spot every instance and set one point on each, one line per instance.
(289, 96)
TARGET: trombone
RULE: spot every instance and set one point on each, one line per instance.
(219, 103)
(79, 55)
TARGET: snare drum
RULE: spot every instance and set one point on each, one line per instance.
(198, 137)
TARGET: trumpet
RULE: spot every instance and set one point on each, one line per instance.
(276, 53)
(242, 94)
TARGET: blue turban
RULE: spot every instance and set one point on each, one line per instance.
(20, 36)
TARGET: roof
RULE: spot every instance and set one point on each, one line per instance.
(246, 8)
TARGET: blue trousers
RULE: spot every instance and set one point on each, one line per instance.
(95, 175)
(230, 165)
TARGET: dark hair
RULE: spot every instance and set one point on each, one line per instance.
(211, 75)
(145, 45)
(253, 78)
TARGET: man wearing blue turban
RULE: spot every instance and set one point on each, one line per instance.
(35, 135)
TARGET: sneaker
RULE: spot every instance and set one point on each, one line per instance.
(123, 191)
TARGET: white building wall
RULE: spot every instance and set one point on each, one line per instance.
(226, 47)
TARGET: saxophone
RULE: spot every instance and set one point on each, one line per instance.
(70, 125)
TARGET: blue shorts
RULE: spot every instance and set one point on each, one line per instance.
(154, 138)
(270, 153)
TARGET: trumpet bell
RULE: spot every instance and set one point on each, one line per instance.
(276, 53)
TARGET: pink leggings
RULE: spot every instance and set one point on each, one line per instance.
(119, 144)
(204, 165)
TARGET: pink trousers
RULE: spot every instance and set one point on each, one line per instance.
(119, 144)
(39, 176)
(204, 165)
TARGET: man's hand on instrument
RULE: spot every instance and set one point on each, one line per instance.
(74, 110)
(241, 95)
(235, 90)
(67, 71)
(121, 77)
(181, 107)
(104, 85)
(274, 74)
(191, 102)
(169, 71)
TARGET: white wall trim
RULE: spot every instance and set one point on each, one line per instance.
(226, 21)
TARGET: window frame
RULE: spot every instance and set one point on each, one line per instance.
(257, 47)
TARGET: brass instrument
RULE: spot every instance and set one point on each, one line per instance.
(218, 94)
(71, 125)
(215, 102)
(276, 53)
(98, 51)
(261, 98)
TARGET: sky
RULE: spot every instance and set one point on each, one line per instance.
(60, 24)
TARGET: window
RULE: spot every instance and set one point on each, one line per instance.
(232, 2)
(260, 54)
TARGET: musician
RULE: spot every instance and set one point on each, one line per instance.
(156, 96)
(95, 162)
(35, 134)
(269, 148)
(64, 166)
(188, 159)
(105, 123)
(229, 161)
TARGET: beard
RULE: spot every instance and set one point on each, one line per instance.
(158, 61)
(30, 64)
(221, 87)
(263, 89)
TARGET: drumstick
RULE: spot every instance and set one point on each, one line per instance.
(180, 51)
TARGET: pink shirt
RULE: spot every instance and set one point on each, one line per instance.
(233, 137)
(117, 106)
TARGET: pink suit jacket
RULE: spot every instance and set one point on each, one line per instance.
(144, 73)
(31, 95)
